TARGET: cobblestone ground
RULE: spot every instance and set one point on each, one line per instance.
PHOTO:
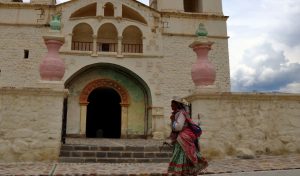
(262, 163)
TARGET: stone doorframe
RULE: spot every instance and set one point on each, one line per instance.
(104, 83)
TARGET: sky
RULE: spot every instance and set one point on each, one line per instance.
(264, 45)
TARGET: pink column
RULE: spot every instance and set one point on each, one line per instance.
(203, 71)
(52, 68)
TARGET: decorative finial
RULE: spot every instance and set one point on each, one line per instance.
(201, 31)
(55, 22)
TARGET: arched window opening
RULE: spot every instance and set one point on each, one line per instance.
(107, 40)
(82, 38)
(132, 14)
(193, 6)
(87, 11)
(109, 9)
(132, 40)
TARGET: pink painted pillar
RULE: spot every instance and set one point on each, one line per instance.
(52, 68)
(203, 71)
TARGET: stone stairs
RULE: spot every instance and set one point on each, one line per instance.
(91, 153)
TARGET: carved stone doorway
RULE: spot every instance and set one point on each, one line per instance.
(103, 114)
(104, 109)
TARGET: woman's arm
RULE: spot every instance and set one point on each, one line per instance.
(179, 122)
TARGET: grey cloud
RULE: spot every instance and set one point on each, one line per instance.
(279, 72)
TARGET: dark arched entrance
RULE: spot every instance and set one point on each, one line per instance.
(103, 114)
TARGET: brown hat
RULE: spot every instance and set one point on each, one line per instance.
(180, 100)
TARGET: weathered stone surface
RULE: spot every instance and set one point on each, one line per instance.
(252, 123)
(245, 153)
(31, 124)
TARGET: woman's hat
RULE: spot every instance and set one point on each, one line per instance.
(180, 100)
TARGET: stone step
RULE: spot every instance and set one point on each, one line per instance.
(112, 160)
(72, 147)
(114, 154)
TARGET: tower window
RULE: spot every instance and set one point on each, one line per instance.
(192, 6)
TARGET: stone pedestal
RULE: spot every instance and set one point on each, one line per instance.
(157, 123)
(204, 89)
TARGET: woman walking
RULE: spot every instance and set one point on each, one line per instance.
(186, 159)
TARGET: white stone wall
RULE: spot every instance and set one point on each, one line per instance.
(30, 124)
(164, 65)
(248, 124)
(16, 71)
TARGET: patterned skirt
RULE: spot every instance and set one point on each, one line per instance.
(181, 165)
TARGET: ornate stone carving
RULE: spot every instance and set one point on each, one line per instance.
(104, 83)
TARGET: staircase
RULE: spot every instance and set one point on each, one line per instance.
(114, 151)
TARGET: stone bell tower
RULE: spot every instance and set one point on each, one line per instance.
(192, 6)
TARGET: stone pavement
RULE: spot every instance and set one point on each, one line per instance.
(261, 163)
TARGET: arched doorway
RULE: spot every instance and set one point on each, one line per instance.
(104, 92)
(135, 95)
(103, 114)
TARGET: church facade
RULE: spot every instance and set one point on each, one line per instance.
(124, 60)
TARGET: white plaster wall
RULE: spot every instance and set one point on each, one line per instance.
(30, 124)
(259, 123)
(187, 24)
(212, 6)
(165, 5)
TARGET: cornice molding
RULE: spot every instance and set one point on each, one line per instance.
(46, 25)
(243, 96)
(194, 15)
(109, 54)
(25, 5)
(33, 91)
(194, 35)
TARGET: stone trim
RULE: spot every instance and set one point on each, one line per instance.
(110, 54)
(25, 5)
(242, 95)
(33, 91)
(44, 24)
(83, 99)
(194, 15)
(194, 35)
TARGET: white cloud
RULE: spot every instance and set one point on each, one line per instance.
(264, 36)
(291, 88)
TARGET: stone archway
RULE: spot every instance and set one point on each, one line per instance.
(104, 83)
